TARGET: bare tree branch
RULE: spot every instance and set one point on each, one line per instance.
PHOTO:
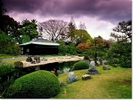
(53, 29)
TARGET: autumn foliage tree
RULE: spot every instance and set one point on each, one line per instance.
(82, 47)
(98, 49)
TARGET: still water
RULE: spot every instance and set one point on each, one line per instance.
(60, 67)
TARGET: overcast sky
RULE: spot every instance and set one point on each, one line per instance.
(99, 16)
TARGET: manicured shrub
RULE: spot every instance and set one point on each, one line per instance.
(7, 75)
(81, 65)
(5, 68)
(38, 84)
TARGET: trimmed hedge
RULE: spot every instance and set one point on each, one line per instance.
(81, 65)
(38, 84)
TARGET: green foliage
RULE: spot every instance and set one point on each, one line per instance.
(80, 36)
(5, 76)
(98, 49)
(125, 28)
(25, 38)
(38, 84)
(64, 49)
(4, 69)
(9, 26)
(8, 45)
(5, 56)
(72, 28)
(120, 55)
(120, 52)
(27, 30)
(81, 65)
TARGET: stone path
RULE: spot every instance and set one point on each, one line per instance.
(58, 59)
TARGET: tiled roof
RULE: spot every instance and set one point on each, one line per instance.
(41, 42)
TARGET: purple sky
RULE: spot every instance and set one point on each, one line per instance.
(99, 16)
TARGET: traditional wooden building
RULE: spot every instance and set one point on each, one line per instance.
(39, 46)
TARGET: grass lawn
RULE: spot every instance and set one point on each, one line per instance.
(5, 56)
(108, 84)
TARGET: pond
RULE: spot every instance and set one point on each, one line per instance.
(60, 67)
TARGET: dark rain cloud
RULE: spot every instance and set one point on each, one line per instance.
(109, 10)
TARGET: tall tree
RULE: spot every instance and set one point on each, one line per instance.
(8, 45)
(98, 49)
(27, 30)
(123, 32)
(71, 29)
(53, 29)
(2, 9)
(81, 36)
(82, 26)
(9, 25)
(120, 52)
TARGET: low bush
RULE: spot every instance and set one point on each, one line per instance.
(5, 68)
(8, 74)
(81, 65)
(38, 84)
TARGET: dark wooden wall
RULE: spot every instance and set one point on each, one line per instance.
(39, 49)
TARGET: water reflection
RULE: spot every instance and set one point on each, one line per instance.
(60, 67)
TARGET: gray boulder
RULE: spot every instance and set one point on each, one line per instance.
(71, 77)
(106, 68)
(43, 59)
(37, 59)
(62, 84)
(92, 69)
(59, 72)
(29, 59)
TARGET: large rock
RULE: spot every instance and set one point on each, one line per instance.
(37, 59)
(29, 59)
(59, 72)
(92, 69)
(18, 64)
(54, 71)
(43, 59)
(71, 77)
(62, 84)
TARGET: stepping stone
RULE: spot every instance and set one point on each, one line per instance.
(85, 77)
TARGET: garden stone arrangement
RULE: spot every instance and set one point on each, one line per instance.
(92, 69)
(86, 76)
(106, 67)
(29, 59)
(18, 64)
(71, 77)
(36, 60)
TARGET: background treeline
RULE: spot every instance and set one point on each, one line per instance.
(73, 40)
